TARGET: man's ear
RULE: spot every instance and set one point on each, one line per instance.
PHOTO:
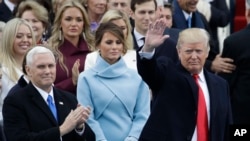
(27, 69)
(132, 15)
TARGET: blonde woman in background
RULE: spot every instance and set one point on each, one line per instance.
(2, 24)
(71, 40)
(95, 10)
(17, 40)
(38, 18)
(119, 18)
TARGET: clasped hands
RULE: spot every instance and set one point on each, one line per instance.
(75, 119)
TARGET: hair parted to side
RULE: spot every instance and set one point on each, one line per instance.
(138, 2)
(193, 35)
(55, 42)
(38, 10)
(111, 28)
(111, 15)
(7, 53)
(37, 50)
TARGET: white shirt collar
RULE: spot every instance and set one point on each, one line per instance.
(10, 5)
(186, 15)
(202, 76)
(138, 36)
(44, 94)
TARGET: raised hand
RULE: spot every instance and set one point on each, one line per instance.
(154, 36)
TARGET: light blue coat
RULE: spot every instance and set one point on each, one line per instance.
(119, 98)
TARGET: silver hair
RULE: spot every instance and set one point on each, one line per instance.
(37, 50)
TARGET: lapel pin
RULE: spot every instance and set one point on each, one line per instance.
(60, 102)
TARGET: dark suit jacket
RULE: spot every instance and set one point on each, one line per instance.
(220, 17)
(27, 116)
(236, 46)
(5, 13)
(179, 20)
(173, 115)
(20, 84)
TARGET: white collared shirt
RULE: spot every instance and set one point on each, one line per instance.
(186, 15)
(138, 38)
(44, 94)
(10, 5)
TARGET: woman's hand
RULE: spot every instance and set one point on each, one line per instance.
(75, 71)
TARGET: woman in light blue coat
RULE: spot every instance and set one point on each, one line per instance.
(119, 98)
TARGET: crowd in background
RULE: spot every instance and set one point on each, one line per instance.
(104, 52)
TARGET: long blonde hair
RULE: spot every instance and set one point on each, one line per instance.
(55, 42)
(7, 47)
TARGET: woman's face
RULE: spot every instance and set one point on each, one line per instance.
(110, 48)
(72, 23)
(35, 23)
(23, 40)
(97, 6)
(121, 23)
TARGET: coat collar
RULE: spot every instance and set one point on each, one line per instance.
(104, 69)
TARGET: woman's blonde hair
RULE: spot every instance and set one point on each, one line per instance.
(111, 15)
(38, 10)
(7, 47)
(56, 40)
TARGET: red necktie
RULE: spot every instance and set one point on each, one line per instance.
(202, 121)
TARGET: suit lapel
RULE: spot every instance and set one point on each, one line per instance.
(212, 87)
(62, 111)
(191, 82)
(41, 104)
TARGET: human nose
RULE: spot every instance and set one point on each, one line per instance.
(25, 38)
(194, 55)
(102, 1)
(74, 22)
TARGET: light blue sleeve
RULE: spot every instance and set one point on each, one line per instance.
(141, 111)
(84, 97)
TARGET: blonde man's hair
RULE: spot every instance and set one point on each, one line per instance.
(193, 35)
(55, 42)
(111, 15)
(7, 45)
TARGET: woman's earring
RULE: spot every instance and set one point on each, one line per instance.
(60, 35)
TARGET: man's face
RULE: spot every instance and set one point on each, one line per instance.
(121, 5)
(143, 15)
(188, 5)
(42, 71)
(167, 15)
(193, 56)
